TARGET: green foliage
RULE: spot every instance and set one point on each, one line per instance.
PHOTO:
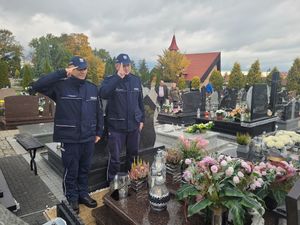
(171, 64)
(155, 75)
(144, 72)
(8, 44)
(27, 76)
(109, 67)
(243, 139)
(4, 81)
(195, 83)
(102, 54)
(134, 70)
(17, 74)
(236, 77)
(49, 54)
(181, 83)
(216, 80)
(254, 74)
(293, 78)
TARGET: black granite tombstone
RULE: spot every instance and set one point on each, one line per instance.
(229, 99)
(297, 109)
(292, 201)
(259, 101)
(203, 100)
(287, 111)
(97, 174)
(274, 91)
(148, 135)
(191, 101)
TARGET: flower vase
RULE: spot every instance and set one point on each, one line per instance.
(216, 218)
(220, 117)
(174, 170)
(138, 185)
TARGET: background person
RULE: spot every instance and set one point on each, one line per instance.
(162, 93)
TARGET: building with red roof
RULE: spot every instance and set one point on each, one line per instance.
(201, 64)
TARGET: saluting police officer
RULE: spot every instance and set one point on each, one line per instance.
(78, 125)
(124, 114)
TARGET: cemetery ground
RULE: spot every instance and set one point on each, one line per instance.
(33, 194)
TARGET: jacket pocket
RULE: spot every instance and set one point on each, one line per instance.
(66, 129)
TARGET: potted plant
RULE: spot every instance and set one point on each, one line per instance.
(138, 174)
(173, 163)
(243, 141)
(220, 184)
(220, 113)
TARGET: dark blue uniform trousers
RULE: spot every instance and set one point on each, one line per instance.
(116, 142)
(76, 159)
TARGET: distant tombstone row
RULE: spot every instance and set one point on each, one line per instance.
(24, 109)
(291, 110)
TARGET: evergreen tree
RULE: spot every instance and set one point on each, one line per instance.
(236, 77)
(134, 70)
(17, 74)
(47, 67)
(216, 80)
(27, 76)
(10, 50)
(102, 54)
(155, 75)
(293, 78)
(254, 74)
(110, 66)
(4, 81)
(144, 72)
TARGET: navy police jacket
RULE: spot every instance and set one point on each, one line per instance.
(78, 115)
(125, 108)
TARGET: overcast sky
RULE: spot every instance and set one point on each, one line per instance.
(242, 30)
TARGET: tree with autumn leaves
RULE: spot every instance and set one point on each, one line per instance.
(55, 52)
(171, 65)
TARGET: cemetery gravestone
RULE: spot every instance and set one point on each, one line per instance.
(203, 100)
(274, 91)
(229, 99)
(191, 101)
(259, 102)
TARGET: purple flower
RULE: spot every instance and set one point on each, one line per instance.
(187, 175)
(214, 169)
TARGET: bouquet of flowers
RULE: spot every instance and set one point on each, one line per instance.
(139, 169)
(274, 179)
(282, 139)
(201, 127)
(220, 182)
(194, 149)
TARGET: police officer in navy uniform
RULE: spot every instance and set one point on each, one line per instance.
(124, 114)
(78, 125)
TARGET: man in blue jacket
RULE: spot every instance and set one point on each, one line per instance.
(78, 125)
(124, 114)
